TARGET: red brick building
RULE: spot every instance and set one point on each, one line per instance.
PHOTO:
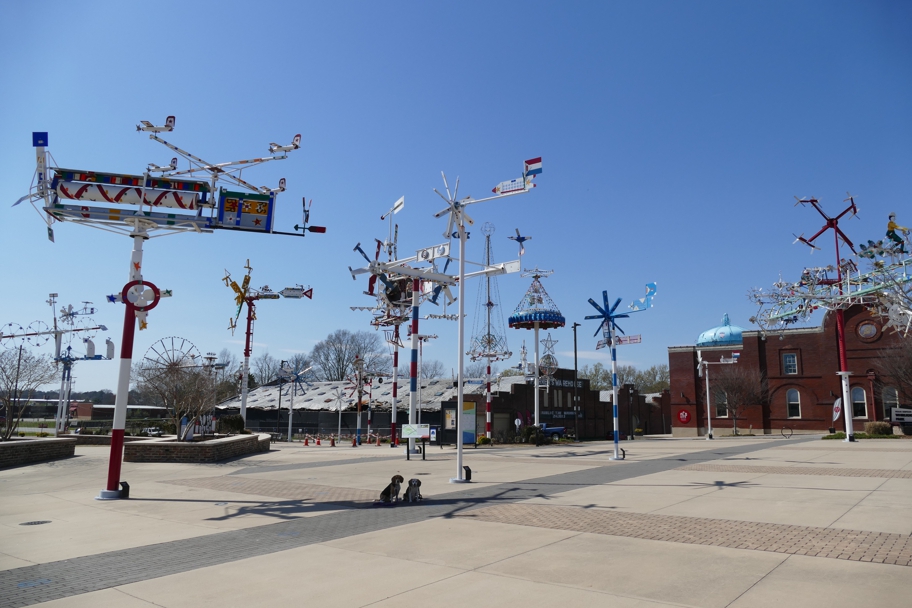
(800, 367)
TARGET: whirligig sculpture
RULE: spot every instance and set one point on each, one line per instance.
(609, 328)
(173, 200)
(537, 311)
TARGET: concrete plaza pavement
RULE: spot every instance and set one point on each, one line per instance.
(751, 521)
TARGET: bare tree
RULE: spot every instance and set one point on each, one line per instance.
(21, 373)
(186, 389)
(334, 356)
(653, 379)
(429, 369)
(736, 389)
(265, 368)
(478, 369)
(226, 375)
(896, 364)
(600, 376)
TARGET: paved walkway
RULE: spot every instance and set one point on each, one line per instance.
(680, 522)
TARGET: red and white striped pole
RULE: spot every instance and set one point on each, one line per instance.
(488, 403)
(139, 297)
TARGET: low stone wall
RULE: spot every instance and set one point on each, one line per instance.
(16, 452)
(214, 450)
(98, 439)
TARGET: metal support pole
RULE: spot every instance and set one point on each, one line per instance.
(395, 386)
(576, 407)
(413, 369)
(58, 418)
(709, 432)
(119, 424)
(460, 394)
(847, 410)
(614, 392)
(537, 421)
(291, 408)
(245, 373)
(488, 402)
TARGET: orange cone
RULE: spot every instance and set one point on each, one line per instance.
(354, 442)
(318, 441)
(305, 440)
(378, 440)
(332, 441)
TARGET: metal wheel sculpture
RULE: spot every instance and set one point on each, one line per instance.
(11, 335)
(172, 353)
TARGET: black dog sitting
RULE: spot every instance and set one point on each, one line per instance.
(391, 492)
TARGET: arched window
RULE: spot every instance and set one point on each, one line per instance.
(859, 403)
(793, 403)
(890, 400)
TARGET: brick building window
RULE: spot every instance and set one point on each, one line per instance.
(890, 400)
(859, 403)
(721, 405)
(790, 364)
(793, 403)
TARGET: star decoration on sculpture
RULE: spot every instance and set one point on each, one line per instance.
(548, 343)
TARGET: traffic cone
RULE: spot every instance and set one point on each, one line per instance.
(397, 442)
(318, 441)
(305, 440)
(354, 442)
(332, 441)
(378, 440)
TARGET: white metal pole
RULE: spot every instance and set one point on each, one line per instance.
(290, 407)
(709, 433)
(614, 392)
(59, 417)
(537, 421)
(460, 354)
(339, 432)
(847, 405)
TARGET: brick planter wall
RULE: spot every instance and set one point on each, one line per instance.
(98, 439)
(214, 450)
(24, 451)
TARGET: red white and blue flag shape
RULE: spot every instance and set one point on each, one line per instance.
(533, 166)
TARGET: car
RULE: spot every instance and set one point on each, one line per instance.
(152, 431)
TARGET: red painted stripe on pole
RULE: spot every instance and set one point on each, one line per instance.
(117, 441)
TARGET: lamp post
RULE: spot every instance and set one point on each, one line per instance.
(704, 371)
(575, 381)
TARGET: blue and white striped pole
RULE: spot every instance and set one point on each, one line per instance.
(614, 390)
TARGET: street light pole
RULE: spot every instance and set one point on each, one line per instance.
(575, 382)
(704, 371)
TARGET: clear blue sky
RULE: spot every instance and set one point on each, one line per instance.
(674, 135)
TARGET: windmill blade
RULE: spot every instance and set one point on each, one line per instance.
(467, 218)
(598, 308)
(448, 233)
(449, 202)
(446, 186)
(518, 236)
(361, 251)
(456, 187)
(379, 246)
(614, 307)
(395, 242)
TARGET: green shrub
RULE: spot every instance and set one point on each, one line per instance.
(533, 434)
(483, 440)
(878, 428)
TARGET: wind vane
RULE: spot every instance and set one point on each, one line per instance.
(609, 316)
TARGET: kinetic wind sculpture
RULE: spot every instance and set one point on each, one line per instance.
(438, 281)
(489, 341)
(884, 290)
(392, 305)
(171, 202)
(537, 311)
(246, 296)
(549, 363)
(609, 315)
(72, 323)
